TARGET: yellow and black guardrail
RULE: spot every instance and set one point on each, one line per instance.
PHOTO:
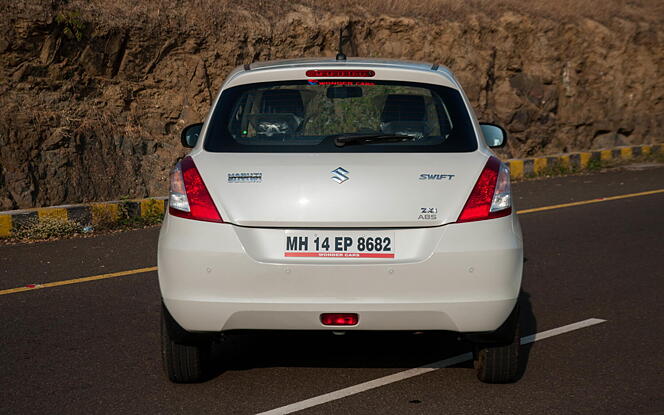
(107, 213)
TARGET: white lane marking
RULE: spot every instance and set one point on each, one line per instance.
(396, 377)
(560, 330)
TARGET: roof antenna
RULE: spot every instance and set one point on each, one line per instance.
(341, 56)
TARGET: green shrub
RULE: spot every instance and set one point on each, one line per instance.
(555, 169)
(154, 212)
(595, 164)
(152, 216)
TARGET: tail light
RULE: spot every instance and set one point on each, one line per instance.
(491, 197)
(189, 198)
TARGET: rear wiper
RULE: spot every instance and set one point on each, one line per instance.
(344, 139)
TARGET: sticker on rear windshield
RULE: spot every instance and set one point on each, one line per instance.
(245, 177)
(316, 82)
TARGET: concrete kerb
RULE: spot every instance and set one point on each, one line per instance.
(520, 168)
(109, 212)
(86, 214)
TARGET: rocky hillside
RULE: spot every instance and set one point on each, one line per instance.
(91, 109)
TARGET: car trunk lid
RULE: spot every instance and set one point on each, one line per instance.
(354, 190)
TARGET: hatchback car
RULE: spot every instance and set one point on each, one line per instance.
(344, 195)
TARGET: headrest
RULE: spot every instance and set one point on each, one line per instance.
(282, 101)
(403, 107)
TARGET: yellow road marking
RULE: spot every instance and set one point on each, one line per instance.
(587, 202)
(77, 280)
(32, 287)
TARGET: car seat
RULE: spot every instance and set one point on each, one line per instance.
(404, 114)
(281, 112)
(282, 101)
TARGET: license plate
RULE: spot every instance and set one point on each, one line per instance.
(339, 244)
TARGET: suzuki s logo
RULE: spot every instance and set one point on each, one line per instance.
(340, 175)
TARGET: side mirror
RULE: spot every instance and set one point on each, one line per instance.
(494, 135)
(189, 135)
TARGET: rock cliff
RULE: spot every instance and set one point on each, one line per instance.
(93, 112)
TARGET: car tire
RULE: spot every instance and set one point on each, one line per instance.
(185, 355)
(499, 363)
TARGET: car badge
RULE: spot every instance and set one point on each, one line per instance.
(340, 175)
(245, 177)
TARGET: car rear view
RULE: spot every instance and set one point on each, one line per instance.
(340, 196)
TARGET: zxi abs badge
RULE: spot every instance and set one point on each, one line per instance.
(340, 175)
(428, 213)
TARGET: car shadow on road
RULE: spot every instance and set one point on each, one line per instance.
(401, 350)
(528, 326)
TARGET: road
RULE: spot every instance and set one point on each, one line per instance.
(93, 347)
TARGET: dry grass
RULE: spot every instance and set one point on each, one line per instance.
(46, 228)
(210, 14)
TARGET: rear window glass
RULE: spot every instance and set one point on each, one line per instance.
(340, 116)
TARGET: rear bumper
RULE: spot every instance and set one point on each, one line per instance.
(416, 316)
(458, 277)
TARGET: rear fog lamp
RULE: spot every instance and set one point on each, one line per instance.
(339, 319)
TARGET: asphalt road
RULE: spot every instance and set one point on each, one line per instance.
(93, 347)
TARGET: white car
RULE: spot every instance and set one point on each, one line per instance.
(340, 195)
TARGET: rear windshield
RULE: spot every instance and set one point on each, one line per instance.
(340, 116)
